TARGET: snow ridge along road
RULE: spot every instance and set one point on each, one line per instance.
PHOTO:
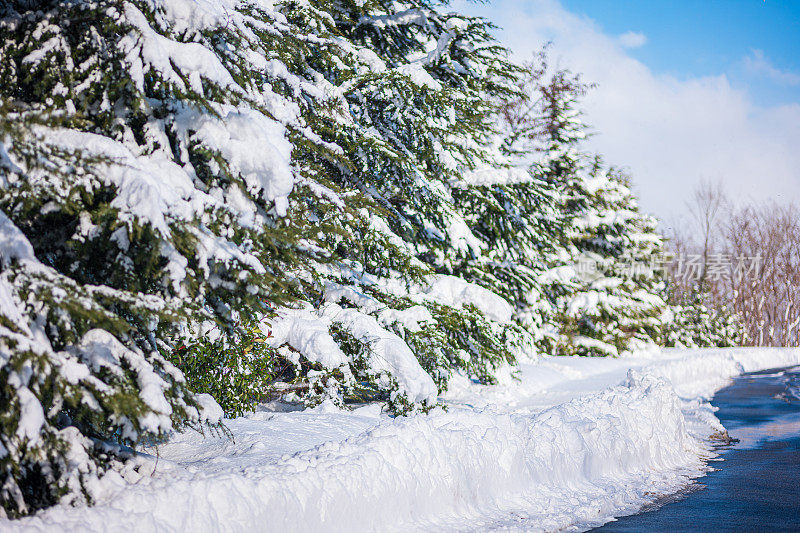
(570, 444)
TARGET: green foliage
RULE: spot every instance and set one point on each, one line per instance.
(463, 340)
(238, 375)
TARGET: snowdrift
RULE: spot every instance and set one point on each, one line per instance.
(572, 465)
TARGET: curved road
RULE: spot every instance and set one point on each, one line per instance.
(756, 483)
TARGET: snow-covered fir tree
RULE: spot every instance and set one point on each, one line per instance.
(697, 322)
(601, 283)
(420, 120)
(207, 204)
(617, 305)
(257, 194)
(514, 211)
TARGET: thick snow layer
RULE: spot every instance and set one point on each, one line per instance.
(571, 444)
(162, 54)
(456, 292)
(493, 175)
(390, 355)
(307, 331)
(252, 144)
(13, 243)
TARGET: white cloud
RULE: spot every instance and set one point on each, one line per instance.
(671, 133)
(757, 63)
(632, 39)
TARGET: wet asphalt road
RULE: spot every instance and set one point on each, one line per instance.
(756, 483)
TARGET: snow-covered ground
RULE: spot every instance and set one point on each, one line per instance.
(567, 445)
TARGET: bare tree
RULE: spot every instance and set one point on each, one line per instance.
(708, 207)
(681, 244)
(695, 242)
(746, 259)
(766, 294)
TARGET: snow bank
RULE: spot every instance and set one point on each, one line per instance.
(570, 465)
(703, 372)
(445, 470)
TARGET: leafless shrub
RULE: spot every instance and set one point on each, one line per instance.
(759, 248)
(696, 242)
(768, 302)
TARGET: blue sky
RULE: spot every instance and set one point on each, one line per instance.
(687, 90)
(686, 38)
